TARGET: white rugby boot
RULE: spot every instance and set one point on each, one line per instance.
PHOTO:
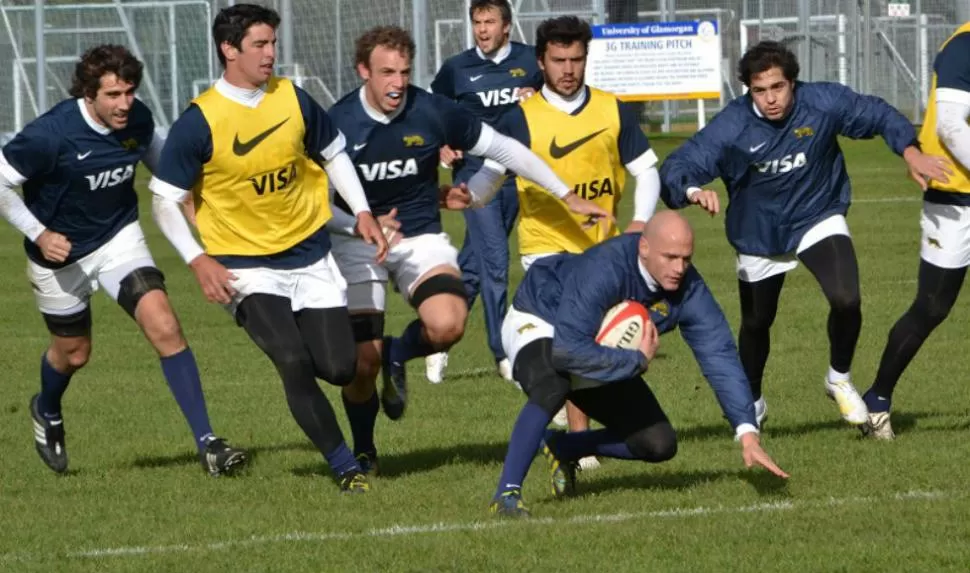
(434, 367)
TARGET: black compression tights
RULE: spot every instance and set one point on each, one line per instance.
(937, 292)
(304, 346)
(833, 263)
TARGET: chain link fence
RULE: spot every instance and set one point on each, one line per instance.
(855, 42)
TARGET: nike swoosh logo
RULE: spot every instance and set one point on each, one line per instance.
(476, 78)
(81, 156)
(755, 148)
(240, 148)
(558, 152)
(359, 146)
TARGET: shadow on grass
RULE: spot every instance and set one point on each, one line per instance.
(902, 422)
(764, 483)
(429, 459)
(424, 460)
(646, 480)
(188, 458)
(391, 465)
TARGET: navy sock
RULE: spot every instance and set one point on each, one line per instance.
(182, 375)
(876, 403)
(341, 460)
(362, 417)
(575, 445)
(411, 344)
(526, 436)
(53, 384)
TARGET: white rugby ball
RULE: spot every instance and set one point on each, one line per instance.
(623, 325)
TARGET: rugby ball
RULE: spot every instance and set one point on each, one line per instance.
(623, 326)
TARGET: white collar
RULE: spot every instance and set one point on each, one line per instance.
(249, 97)
(378, 115)
(652, 284)
(499, 55)
(92, 123)
(567, 105)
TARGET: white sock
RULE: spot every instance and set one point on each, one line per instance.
(836, 376)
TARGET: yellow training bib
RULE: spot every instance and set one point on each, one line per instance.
(930, 142)
(583, 151)
(259, 194)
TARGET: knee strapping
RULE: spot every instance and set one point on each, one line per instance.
(77, 324)
(438, 284)
(367, 327)
(137, 284)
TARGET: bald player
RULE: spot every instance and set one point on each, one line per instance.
(549, 334)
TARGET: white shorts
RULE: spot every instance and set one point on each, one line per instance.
(407, 262)
(521, 328)
(527, 260)
(67, 290)
(946, 235)
(754, 268)
(319, 285)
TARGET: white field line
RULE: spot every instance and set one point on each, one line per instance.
(495, 523)
(903, 199)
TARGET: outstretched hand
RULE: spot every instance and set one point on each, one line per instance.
(753, 454)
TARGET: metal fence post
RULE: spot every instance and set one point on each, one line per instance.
(41, 54)
(867, 46)
(419, 24)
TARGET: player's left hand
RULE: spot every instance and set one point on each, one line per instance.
(923, 167)
(454, 198)
(753, 455)
(635, 227)
(369, 230)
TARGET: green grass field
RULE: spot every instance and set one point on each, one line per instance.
(137, 500)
